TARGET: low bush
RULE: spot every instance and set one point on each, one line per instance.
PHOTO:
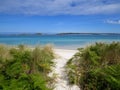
(96, 67)
(25, 69)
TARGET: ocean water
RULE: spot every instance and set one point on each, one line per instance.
(59, 41)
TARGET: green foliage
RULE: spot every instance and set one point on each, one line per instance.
(42, 59)
(38, 82)
(96, 67)
(21, 68)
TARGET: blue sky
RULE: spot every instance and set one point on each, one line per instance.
(54, 16)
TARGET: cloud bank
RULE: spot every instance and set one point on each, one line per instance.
(59, 7)
(113, 21)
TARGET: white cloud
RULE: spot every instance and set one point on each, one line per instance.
(59, 7)
(113, 21)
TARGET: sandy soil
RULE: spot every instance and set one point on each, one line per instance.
(61, 81)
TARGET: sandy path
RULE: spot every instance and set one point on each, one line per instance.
(61, 60)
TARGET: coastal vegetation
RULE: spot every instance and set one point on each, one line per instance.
(96, 67)
(22, 68)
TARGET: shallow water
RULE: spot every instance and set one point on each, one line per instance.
(59, 41)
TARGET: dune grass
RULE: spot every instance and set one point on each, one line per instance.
(96, 67)
(22, 68)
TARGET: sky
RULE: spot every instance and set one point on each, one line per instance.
(56, 16)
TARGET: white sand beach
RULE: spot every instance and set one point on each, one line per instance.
(62, 57)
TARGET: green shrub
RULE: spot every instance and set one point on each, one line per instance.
(96, 67)
(20, 68)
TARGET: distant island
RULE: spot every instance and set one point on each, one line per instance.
(28, 34)
(88, 33)
(69, 33)
(21, 34)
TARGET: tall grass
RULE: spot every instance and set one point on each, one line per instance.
(25, 69)
(96, 67)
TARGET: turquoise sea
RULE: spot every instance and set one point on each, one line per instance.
(59, 41)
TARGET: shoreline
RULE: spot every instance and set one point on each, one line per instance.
(63, 46)
(64, 53)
